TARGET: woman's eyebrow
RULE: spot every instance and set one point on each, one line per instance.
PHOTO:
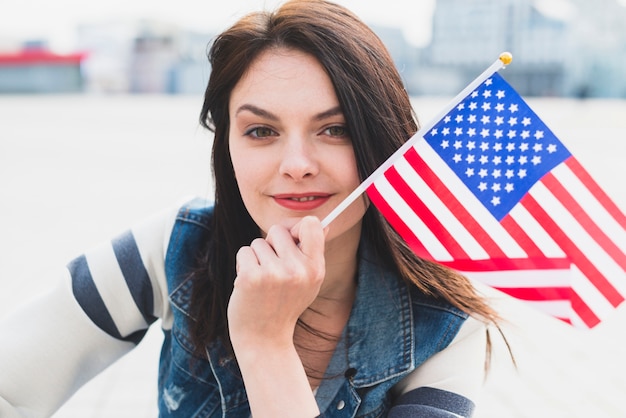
(334, 111)
(257, 111)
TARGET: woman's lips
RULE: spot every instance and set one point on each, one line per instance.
(301, 202)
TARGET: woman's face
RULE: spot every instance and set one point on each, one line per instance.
(289, 144)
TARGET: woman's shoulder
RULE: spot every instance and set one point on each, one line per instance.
(188, 239)
(196, 210)
(425, 300)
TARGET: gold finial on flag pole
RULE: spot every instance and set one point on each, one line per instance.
(506, 58)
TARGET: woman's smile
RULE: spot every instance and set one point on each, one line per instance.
(302, 202)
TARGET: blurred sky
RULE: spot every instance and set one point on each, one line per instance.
(55, 20)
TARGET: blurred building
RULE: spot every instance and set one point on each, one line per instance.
(34, 69)
(574, 48)
(109, 44)
(405, 56)
(143, 57)
(560, 47)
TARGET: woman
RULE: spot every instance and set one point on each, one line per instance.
(264, 311)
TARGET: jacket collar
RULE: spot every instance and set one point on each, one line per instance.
(381, 318)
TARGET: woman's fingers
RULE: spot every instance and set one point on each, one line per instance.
(310, 235)
(245, 258)
(280, 275)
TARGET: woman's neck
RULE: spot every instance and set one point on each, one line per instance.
(341, 266)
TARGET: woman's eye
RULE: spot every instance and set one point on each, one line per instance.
(337, 131)
(260, 132)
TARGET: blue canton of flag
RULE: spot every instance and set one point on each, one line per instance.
(490, 191)
(496, 145)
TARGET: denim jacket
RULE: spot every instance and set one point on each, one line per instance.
(392, 329)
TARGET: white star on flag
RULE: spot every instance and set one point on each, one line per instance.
(517, 212)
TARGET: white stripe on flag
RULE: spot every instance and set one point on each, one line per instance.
(414, 223)
(536, 232)
(470, 202)
(592, 297)
(523, 278)
(590, 204)
(558, 308)
(577, 321)
(577, 234)
(459, 233)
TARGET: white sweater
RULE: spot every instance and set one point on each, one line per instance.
(50, 347)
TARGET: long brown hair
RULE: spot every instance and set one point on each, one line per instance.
(379, 118)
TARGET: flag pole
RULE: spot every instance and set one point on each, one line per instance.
(503, 60)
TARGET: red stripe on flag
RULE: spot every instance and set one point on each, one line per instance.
(566, 320)
(509, 264)
(521, 237)
(537, 293)
(557, 189)
(576, 255)
(583, 310)
(425, 214)
(397, 223)
(596, 191)
(458, 210)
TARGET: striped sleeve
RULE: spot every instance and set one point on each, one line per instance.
(120, 285)
(453, 376)
(429, 402)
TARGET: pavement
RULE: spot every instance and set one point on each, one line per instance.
(77, 170)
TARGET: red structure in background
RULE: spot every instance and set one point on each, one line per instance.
(39, 57)
(38, 70)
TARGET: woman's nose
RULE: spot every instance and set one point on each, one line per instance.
(298, 159)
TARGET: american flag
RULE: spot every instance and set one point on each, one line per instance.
(489, 190)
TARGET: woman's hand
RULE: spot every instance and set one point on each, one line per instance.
(277, 279)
